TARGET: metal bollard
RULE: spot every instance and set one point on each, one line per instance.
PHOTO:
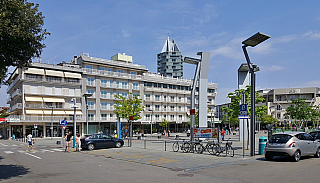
(165, 145)
(145, 144)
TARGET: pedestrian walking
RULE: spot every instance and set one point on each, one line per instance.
(78, 142)
(68, 141)
(223, 133)
(29, 142)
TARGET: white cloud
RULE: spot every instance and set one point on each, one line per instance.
(125, 33)
(312, 35)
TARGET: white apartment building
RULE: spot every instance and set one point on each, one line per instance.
(277, 100)
(42, 88)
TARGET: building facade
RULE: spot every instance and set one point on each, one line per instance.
(170, 61)
(42, 93)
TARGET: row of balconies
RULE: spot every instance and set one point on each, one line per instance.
(110, 73)
(53, 79)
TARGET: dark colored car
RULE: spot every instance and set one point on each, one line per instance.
(315, 134)
(98, 141)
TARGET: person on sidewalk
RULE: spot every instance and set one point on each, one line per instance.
(29, 142)
(78, 142)
(68, 141)
(223, 133)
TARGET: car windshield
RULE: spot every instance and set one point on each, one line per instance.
(280, 138)
(315, 134)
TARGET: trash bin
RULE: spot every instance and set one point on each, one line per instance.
(13, 137)
(159, 137)
(58, 142)
(262, 144)
(227, 132)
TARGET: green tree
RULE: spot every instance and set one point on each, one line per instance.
(234, 110)
(301, 112)
(266, 119)
(196, 117)
(164, 123)
(4, 114)
(21, 34)
(128, 106)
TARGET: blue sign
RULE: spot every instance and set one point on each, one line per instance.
(64, 122)
(243, 109)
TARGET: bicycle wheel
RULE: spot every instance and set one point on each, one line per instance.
(218, 149)
(199, 148)
(185, 147)
(211, 149)
(230, 151)
(175, 147)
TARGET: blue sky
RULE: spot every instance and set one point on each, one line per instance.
(102, 28)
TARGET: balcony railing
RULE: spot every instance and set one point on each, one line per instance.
(27, 118)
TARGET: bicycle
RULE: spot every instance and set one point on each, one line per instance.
(210, 147)
(184, 146)
(228, 148)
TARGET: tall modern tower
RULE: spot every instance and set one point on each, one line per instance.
(170, 62)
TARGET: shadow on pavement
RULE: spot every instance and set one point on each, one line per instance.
(283, 159)
(9, 171)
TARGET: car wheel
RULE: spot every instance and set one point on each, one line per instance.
(296, 156)
(90, 147)
(268, 157)
(118, 144)
(317, 155)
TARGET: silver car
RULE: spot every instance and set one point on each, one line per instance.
(293, 144)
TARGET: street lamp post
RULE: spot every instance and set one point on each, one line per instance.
(253, 41)
(151, 120)
(86, 100)
(74, 100)
(52, 122)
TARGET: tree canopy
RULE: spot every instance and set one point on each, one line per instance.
(301, 112)
(21, 34)
(128, 106)
(233, 111)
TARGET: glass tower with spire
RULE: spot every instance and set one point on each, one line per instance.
(169, 61)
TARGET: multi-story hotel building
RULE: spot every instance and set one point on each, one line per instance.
(169, 61)
(42, 93)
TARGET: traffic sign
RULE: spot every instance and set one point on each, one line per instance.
(35, 126)
(64, 122)
(244, 116)
(64, 127)
(243, 109)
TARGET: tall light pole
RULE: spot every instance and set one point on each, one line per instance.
(151, 120)
(74, 100)
(86, 95)
(52, 122)
(270, 127)
(253, 41)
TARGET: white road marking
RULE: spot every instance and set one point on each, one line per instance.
(3, 144)
(3, 148)
(14, 145)
(58, 150)
(8, 152)
(45, 150)
(33, 155)
(21, 151)
(13, 148)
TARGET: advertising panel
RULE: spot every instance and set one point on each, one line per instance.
(205, 132)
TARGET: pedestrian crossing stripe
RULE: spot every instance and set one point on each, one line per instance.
(8, 152)
(58, 150)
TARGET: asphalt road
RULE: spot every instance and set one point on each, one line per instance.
(51, 164)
